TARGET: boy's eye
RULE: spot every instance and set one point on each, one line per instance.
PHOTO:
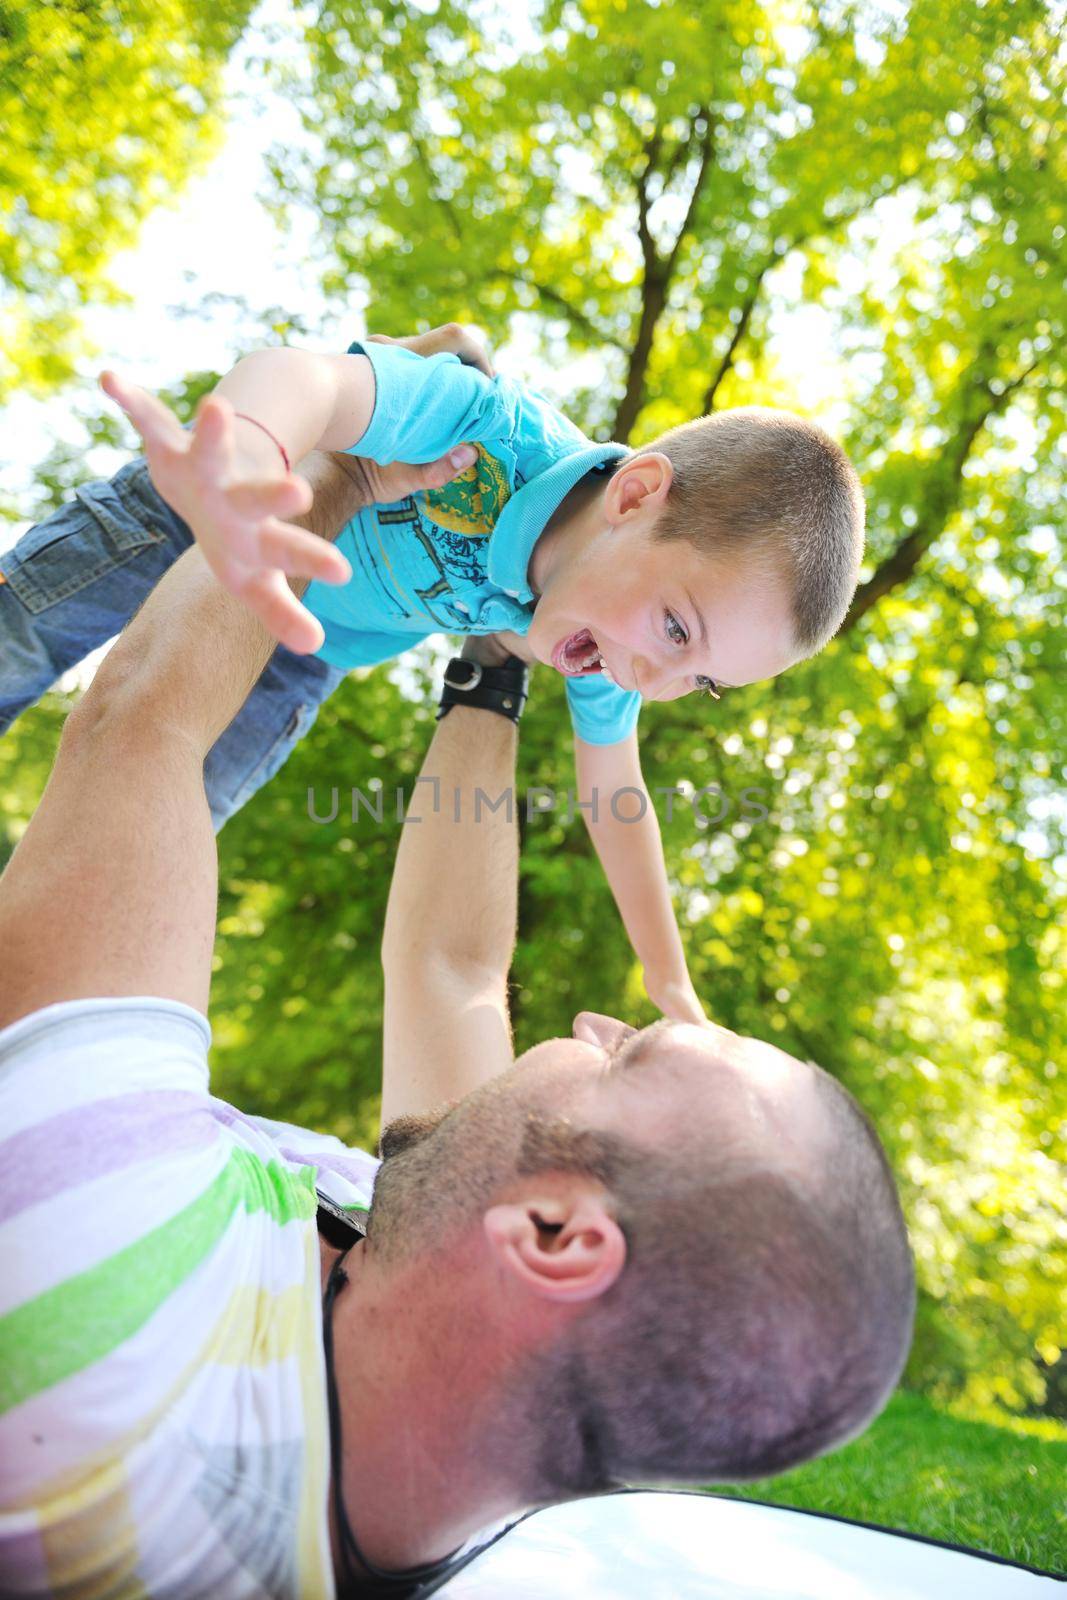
(708, 686)
(674, 629)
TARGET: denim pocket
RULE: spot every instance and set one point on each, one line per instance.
(101, 529)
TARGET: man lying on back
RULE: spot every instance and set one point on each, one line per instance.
(629, 1257)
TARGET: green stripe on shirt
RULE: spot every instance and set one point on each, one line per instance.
(86, 1317)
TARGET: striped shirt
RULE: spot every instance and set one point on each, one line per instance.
(163, 1424)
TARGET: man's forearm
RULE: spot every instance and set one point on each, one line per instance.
(453, 896)
(112, 890)
(193, 651)
(342, 484)
(631, 853)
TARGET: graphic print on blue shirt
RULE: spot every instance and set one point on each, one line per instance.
(404, 520)
(471, 504)
(452, 525)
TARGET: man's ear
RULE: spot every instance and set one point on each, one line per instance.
(639, 487)
(560, 1241)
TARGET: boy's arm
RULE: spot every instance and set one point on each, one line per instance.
(631, 854)
(313, 401)
(450, 925)
(231, 480)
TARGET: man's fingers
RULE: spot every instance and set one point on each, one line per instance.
(401, 478)
(451, 337)
(473, 353)
(438, 473)
(301, 554)
(281, 613)
(155, 422)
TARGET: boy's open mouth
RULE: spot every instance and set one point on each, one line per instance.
(578, 655)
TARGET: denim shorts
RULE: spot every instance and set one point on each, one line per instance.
(75, 580)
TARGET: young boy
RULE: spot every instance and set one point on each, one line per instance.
(717, 556)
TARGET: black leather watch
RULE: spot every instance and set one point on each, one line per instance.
(503, 689)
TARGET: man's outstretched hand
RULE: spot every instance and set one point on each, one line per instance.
(236, 494)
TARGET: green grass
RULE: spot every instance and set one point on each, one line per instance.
(997, 1486)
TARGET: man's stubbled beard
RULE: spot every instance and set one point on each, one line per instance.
(403, 1133)
(415, 1187)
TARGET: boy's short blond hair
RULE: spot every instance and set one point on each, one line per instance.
(771, 485)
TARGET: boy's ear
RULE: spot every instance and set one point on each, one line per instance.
(639, 487)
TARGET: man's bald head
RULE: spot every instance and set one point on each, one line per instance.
(764, 1311)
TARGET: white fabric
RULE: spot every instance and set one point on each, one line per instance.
(163, 1424)
(694, 1547)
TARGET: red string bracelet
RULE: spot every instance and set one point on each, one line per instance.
(262, 426)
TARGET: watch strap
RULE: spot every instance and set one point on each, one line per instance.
(503, 689)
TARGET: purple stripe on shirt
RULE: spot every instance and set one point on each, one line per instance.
(90, 1141)
(229, 1115)
(353, 1169)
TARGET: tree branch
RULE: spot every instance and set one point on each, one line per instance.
(576, 315)
(681, 150)
(649, 253)
(942, 495)
(748, 305)
(658, 272)
(707, 147)
(438, 199)
(826, 225)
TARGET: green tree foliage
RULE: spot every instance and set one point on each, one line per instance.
(663, 193)
(659, 185)
(107, 109)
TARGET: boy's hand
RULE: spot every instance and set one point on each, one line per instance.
(235, 509)
(677, 1000)
(675, 997)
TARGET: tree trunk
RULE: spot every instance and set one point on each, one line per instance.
(652, 306)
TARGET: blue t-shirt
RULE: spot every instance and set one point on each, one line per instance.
(455, 560)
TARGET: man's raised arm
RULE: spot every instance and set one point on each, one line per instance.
(450, 926)
(112, 889)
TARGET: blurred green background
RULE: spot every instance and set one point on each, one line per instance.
(656, 210)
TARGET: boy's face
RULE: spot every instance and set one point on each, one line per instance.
(661, 617)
